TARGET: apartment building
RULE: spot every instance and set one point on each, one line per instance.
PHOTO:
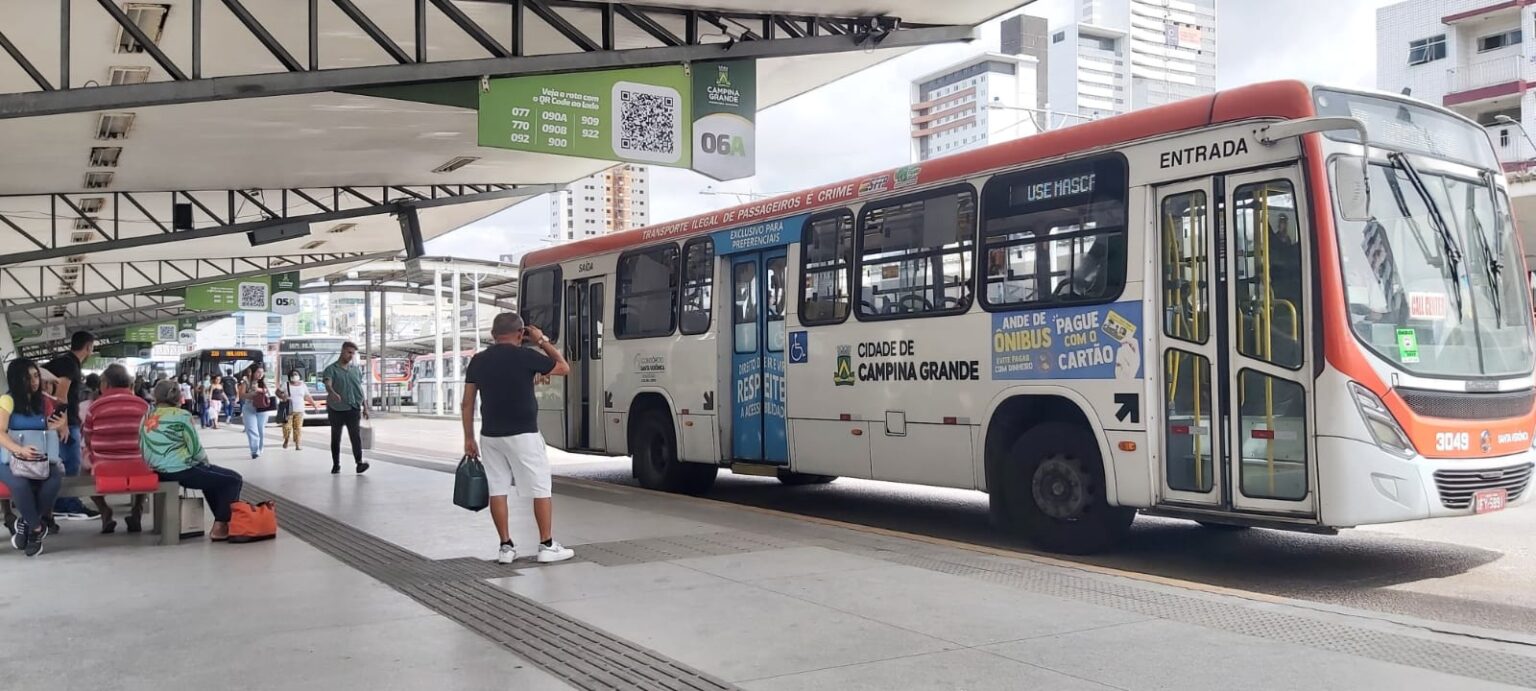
(615, 199)
(1471, 56)
(1120, 55)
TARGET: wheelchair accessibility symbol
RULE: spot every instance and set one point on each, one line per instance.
(799, 350)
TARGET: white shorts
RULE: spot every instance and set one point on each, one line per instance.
(520, 460)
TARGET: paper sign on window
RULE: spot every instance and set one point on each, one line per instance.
(1428, 306)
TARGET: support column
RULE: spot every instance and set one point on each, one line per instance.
(367, 349)
(384, 349)
(458, 330)
(437, 340)
(475, 310)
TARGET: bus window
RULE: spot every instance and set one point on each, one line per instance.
(775, 270)
(1269, 278)
(1056, 234)
(645, 300)
(698, 284)
(744, 312)
(1186, 267)
(827, 252)
(541, 300)
(596, 314)
(915, 255)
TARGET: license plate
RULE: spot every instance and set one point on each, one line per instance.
(1490, 500)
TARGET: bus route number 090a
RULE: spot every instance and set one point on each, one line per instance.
(723, 144)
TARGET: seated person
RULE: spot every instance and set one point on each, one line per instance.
(29, 412)
(111, 434)
(168, 440)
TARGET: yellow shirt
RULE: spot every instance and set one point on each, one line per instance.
(7, 403)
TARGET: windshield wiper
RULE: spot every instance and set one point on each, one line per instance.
(1452, 251)
(1492, 251)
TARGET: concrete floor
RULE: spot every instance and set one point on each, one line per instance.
(1475, 571)
(763, 600)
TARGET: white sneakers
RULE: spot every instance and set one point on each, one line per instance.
(554, 552)
(547, 555)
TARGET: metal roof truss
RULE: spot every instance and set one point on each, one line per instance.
(590, 30)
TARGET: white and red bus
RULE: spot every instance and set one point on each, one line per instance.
(1281, 305)
(392, 379)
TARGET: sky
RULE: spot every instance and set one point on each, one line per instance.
(1331, 41)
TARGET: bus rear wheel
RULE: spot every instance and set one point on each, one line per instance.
(1055, 491)
(656, 463)
(794, 479)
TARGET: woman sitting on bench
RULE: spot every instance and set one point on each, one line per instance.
(168, 439)
(28, 417)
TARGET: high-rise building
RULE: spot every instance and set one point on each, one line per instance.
(1023, 34)
(1120, 55)
(982, 100)
(613, 200)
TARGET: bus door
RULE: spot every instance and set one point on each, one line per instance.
(584, 305)
(1234, 385)
(759, 291)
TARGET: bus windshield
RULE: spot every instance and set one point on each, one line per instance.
(1434, 280)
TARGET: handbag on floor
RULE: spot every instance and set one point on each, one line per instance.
(470, 488)
(192, 507)
(252, 522)
(365, 434)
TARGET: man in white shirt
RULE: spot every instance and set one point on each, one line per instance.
(292, 391)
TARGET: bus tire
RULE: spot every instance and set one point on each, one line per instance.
(1055, 491)
(794, 479)
(656, 464)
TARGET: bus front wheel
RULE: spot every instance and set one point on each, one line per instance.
(1055, 493)
(656, 462)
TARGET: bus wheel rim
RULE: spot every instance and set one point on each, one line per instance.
(1060, 488)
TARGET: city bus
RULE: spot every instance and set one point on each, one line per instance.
(208, 362)
(424, 380)
(152, 371)
(392, 381)
(1282, 305)
(309, 355)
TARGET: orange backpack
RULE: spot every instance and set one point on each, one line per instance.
(252, 522)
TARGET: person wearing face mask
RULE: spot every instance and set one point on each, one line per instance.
(291, 393)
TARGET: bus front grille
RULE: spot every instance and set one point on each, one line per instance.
(1455, 405)
(1458, 486)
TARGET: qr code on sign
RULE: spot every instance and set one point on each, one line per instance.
(648, 122)
(252, 296)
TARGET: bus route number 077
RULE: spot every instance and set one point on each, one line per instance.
(723, 144)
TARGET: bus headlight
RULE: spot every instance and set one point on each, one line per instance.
(1384, 428)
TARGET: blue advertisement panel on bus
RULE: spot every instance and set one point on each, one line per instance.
(1091, 342)
(759, 294)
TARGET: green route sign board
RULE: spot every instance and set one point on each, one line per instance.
(700, 116)
(254, 294)
(183, 329)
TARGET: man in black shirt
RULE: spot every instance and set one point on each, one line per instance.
(68, 384)
(514, 451)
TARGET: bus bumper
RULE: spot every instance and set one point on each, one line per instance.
(1360, 484)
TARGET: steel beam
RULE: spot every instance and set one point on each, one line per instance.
(454, 194)
(280, 84)
(331, 260)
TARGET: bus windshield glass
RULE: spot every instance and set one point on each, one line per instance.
(309, 356)
(1435, 280)
(1404, 126)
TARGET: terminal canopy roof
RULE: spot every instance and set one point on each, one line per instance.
(328, 116)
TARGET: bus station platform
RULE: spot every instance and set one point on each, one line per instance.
(379, 582)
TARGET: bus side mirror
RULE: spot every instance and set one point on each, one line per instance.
(1351, 188)
(1350, 174)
